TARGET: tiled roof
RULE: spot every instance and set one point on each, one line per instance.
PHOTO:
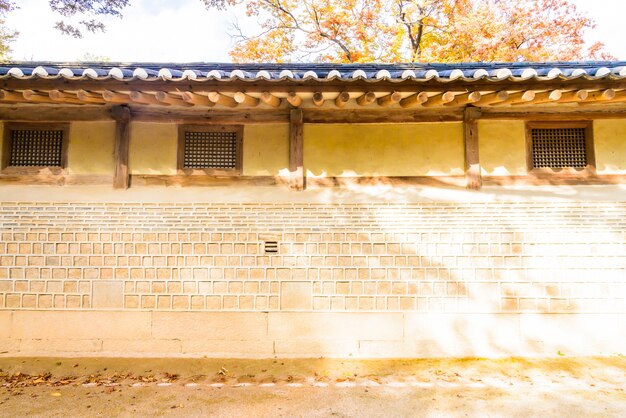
(298, 71)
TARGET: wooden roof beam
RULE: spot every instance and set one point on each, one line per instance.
(318, 99)
(491, 98)
(550, 96)
(390, 99)
(196, 99)
(37, 97)
(414, 100)
(439, 99)
(145, 98)
(220, 99)
(574, 96)
(115, 97)
(601, 96)
(294, 99)
(271, 100)
(245, 99)
(342, 99)
(89, 97)
(64, 97)
(12, 96)
(171, 99)
(366, 99)
(464, 99)
(521, 97)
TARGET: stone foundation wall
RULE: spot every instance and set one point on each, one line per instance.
(354, 279)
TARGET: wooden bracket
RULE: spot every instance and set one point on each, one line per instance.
(121, 178)
(470, 139)
(296, 150)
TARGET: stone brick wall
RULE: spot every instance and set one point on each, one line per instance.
(412, 260)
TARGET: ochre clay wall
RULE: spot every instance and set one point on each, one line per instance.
(265, 149)
(610, 145)
(502, 147)
(91, 148)
(332, 150)
(426, 149)
(153, 148)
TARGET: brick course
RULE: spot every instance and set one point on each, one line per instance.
(500, 257)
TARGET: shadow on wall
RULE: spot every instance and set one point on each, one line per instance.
(515, 279)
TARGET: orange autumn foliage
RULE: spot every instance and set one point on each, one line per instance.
(413, 30)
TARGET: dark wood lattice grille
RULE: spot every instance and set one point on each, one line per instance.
(559, 147)
(210, 150)
(36, 148)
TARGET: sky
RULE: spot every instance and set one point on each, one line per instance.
(184, 31)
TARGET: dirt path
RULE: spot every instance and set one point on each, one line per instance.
(49, 387)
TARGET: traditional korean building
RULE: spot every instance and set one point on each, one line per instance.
(302, 210)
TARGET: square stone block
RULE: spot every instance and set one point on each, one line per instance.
(108, 294)
(296, 296)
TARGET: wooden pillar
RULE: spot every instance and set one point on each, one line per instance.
(296, 150)
(470, 139)
(121, 178)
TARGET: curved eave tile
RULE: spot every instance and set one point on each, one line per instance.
(436, 74)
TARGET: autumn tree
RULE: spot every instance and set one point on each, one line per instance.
(413, 30)
(375, 30)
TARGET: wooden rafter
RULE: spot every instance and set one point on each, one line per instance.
(171, 99)
(37, 97)
(245, 99)
(294, 99)
(221, 99)
(270, 100)
(144, 98)
(491, 98)
(196, 99)
(318, 99)
(342, 99)
(464, 99)
(521, 97)
(551, 96)
(388, 100)
(439, 99)
(115, 97)
(89, 97)
(366, 99)
(414, 100)
(65, 97)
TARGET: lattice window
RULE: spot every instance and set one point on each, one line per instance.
(559, 147)
(36, 148)
(215, 150)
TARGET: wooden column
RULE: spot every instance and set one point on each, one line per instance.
(470, 139)
(121, 178)
(296, 152)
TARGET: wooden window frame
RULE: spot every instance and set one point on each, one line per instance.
(7, 144)
(180, 160)
(590, 168)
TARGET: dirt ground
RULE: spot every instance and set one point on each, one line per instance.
(575, 387)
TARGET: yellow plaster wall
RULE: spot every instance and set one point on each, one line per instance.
(610, 145)
(153, 148)
(502, 147)
(409, 149)
(91, 148)
(265, 149)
